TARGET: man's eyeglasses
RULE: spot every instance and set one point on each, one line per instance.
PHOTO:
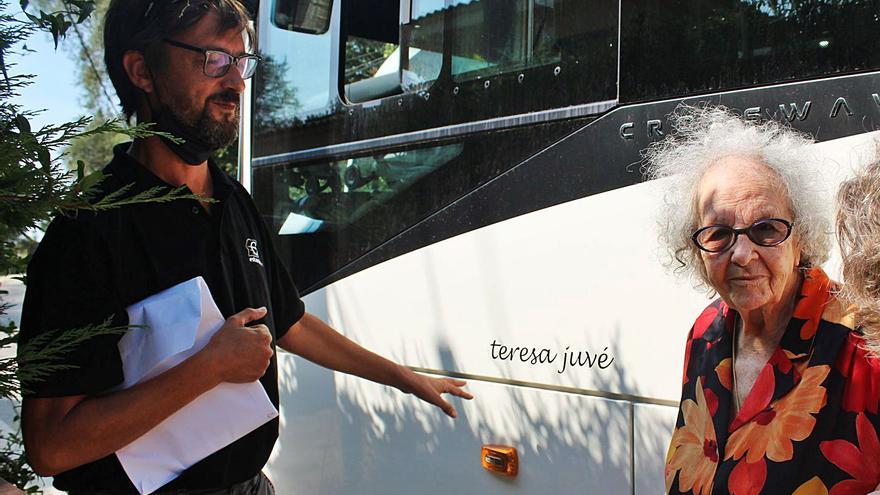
(217, 62)
(719, 238)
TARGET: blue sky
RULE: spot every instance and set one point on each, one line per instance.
(54, 88)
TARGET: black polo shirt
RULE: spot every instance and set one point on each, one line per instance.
(90, 268)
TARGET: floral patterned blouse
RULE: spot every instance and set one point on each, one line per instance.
(808, 426)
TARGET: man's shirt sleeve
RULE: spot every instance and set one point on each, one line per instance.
(68, 288)
(287, 307)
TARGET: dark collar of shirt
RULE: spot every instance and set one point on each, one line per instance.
(125, 169)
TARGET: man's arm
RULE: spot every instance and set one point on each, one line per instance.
(316, 341)
(65, 432)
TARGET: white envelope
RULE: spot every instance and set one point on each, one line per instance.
(180, 321)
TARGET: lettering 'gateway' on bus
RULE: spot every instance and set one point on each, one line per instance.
(443, 174)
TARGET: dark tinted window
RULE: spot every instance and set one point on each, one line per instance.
(454, 62)
(679, 47)
(308, 16)
(370, 32)
(332, 212)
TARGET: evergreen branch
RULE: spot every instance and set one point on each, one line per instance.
(17, 197)
(14, 467)
(43, 355)
(151, 195)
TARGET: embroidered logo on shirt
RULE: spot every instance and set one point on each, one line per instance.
(250, 246)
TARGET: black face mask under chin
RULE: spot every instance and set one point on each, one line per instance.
(192, 150)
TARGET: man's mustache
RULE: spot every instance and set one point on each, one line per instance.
(225, 97)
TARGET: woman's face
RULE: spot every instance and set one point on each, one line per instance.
(738, 191)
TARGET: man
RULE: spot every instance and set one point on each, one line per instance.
(181, 65)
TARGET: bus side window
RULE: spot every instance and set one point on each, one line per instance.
(475, 40)
(681, 47)
(371, 34)
(305, 16)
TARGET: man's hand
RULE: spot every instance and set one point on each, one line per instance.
(314, 340)
(429, 388)
(61, 433)
(240, 353)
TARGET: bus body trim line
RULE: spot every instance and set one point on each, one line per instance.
(437, 133)
(636, 399)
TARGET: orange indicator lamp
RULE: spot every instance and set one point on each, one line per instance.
(500, 459)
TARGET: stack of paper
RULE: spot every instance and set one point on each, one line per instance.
(179, 322)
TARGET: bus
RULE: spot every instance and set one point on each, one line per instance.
(456, 185)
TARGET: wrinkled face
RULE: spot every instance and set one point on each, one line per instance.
(208, 106)
(739, 191)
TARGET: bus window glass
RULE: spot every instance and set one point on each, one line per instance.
(285, 92)
(421, 8)
(337, 210)
(333, 196)
(681, 47)
(307, 16)
(492, 37)
(447, 64)
(370, 59)
(370, 70)
(496, 36)
(424, 35)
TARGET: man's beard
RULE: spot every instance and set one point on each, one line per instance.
(203, 128)
(202, 135)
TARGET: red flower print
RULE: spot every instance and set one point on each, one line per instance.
(862, 462)
(704, 321)
(693, 451)
(747, 478)
(862, 391)
(810, 307)
(711, 400)
(812, 487)
(772, 431)
(725, 374)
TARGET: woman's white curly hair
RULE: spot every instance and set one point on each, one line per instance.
(705, 134)
(858, 231)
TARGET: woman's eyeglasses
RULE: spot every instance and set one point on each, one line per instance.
(719, 238)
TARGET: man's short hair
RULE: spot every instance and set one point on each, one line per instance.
(141, 25)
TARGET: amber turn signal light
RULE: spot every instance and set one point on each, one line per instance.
(501, 459)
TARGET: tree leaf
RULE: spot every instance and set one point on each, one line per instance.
(90, 181)
(80, 170)
(24, 5)
(45, 159)
(85, 12)
(22, 123)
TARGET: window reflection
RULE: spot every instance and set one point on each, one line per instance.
(334, 195)
(491, 37)
(680, 47)
(500, 36)
(430, 72)
(289, 92)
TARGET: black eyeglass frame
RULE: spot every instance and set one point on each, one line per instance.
(743, 230)
(204, 51)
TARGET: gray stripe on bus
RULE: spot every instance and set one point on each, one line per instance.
(436, 133)
(636, 399)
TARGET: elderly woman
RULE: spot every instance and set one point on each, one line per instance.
(777, 397)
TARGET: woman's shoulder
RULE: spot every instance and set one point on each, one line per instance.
(709, 325)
